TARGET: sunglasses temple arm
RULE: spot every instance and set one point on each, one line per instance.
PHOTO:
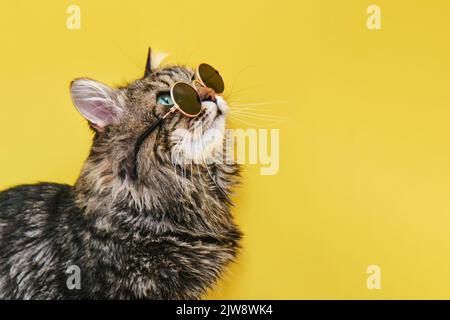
(144, 136)
(172, 110)
(139, 143)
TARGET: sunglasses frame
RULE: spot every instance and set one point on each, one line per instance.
(199, 83)
(199, 78)
(177, 107)
(173, 109)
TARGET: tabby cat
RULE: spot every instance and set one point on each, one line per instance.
(165, 234)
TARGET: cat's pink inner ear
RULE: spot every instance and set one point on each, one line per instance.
(97, 102)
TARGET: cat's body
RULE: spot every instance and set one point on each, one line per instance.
(168, 234)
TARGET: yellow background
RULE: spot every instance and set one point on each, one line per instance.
(365, 160)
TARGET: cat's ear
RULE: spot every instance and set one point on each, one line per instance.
(148, 66)
(154, 60)
(96, 102)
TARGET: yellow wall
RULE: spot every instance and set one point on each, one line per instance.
(365, 160)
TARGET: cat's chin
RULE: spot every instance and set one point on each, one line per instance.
(204, 142)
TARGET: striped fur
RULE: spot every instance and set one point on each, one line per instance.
(167, 235)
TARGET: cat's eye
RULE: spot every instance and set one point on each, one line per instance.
(164, 99)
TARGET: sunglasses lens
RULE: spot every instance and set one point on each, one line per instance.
(211, 77)
(186, 98)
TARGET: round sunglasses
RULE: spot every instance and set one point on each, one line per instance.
(186, 100)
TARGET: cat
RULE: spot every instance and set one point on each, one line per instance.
(166, 234)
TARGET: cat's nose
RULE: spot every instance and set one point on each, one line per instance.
(206, 94)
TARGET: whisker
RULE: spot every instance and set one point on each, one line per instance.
(237, 77)
(177, 152)
(232, 94)
(259, 115)
(254, 124)
(260, 104)
(209, 173)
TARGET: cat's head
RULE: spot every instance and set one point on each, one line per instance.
(120, 115)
